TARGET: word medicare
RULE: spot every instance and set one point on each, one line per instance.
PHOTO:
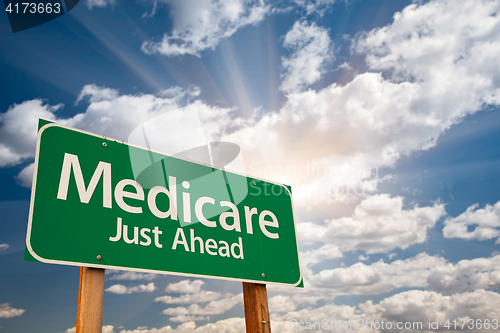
(134, 192)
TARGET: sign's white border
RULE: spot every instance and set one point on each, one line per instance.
(70, 263)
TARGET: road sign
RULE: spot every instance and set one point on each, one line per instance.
(89, 208)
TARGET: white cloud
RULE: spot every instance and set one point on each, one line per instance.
(378, 277)
(192, 295)
(25, 177)
(379, 224)
(18, 130)
(412, 306)
(99, 3)
(202, 24)
(281, 303)
(185, 287)
(310, 258)
(197, 297)
(216, 307)
(440, 42)
(105, 329)
(121, 289)
(97, 94)
(420, 306)
(6, 311)
(183, 318)
(422, 271)
(186, 327)
(283, 323)
(435, 64)
(466, 275)
(116, 116)
(230, 325)
(4, 246)
(311, 47)
(486, 222)
(132, 276)
(108, 114)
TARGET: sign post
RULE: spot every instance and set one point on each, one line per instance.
(102, 203)
(256, 308)
(90, 300)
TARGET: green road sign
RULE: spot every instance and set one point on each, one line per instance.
(100, 202)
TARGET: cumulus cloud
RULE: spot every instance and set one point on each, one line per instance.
(96, 94)
(230, 325)
(486, 222)
(105, 329)
(197, 297)
(121, 289)
(186, 318)
(378, 224)
(109, 114)
(4, 246)
(132, 276)
(422, 271)
(281, 303)
(186, 327)
(193, 294)
(378, 277)
(116, 116)
(435, 64)
(25, 177)
(420, 306)
(310, 258)
(185, 286)
(282, 323)
(410, 307)
(200, 25)
(440, 37)
(216, 307)
(6, 311)
(311, 50)
(18, 130)
(466, 275)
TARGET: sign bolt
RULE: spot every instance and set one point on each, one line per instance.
(263, 322)
(255, 183)
(263, 275)
(104, 144)
(98, 257)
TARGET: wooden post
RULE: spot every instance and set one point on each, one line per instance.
(90, 297)
(256, 308)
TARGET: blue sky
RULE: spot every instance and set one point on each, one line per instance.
(381, 115)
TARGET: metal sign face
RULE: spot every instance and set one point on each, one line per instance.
(88, 208)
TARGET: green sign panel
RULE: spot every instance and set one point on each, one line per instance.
(100, 202)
